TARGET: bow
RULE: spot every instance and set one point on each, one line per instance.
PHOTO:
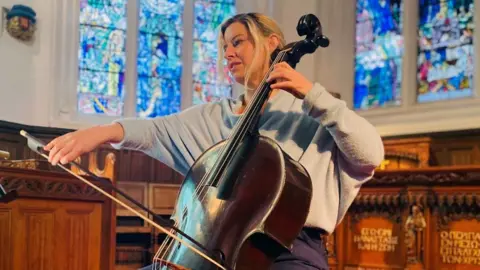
(158, 222)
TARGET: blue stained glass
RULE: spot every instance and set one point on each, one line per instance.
(208, 17)
(445, 62)
(159, 63)
(379, 52)
(158, 96)
(101, 57)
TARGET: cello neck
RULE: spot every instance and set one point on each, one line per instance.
(249, 121)
(246, 126)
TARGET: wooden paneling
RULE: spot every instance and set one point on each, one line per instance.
(138, 191)
(56, 234)
(454, 229)
(56, 223)
(372, 239)
(162, 198)
(445, 149)
(5, 238)
(407, 153)
(412, 219)
(457, 150)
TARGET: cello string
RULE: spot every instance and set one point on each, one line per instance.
(142, 216)
(232, 141)
(244, 119)
(160, 255)
(240, 128)
(35, 145)
(163, 248)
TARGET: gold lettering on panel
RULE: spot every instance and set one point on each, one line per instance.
(376, 239)
(460, 247)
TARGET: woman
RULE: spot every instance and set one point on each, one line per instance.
(339, 149)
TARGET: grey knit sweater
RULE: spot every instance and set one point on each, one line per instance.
(339, 149)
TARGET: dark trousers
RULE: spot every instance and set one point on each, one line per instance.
(308, 253)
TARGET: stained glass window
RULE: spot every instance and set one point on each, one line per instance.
(101, 57)
(159, 63)
(379, 52)
(445, 56)
(209, 14)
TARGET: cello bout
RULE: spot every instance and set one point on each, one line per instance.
(263, 214)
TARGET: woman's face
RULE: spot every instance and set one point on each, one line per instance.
(239, 50)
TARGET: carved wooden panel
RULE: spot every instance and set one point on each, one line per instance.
(455, 228)
(108, 166)
(376, 243)
(374, 231)
(413, 219)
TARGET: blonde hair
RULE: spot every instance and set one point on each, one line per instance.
(259, 28)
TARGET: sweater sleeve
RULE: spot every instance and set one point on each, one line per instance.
(176, 140)
(361, 147)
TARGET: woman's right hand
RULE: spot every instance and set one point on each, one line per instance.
(68, 147)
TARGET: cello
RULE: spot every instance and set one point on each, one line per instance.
(244, 200)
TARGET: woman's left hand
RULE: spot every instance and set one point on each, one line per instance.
(286, 78)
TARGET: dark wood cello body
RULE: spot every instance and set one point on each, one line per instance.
(245, 200)
(249, 223)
